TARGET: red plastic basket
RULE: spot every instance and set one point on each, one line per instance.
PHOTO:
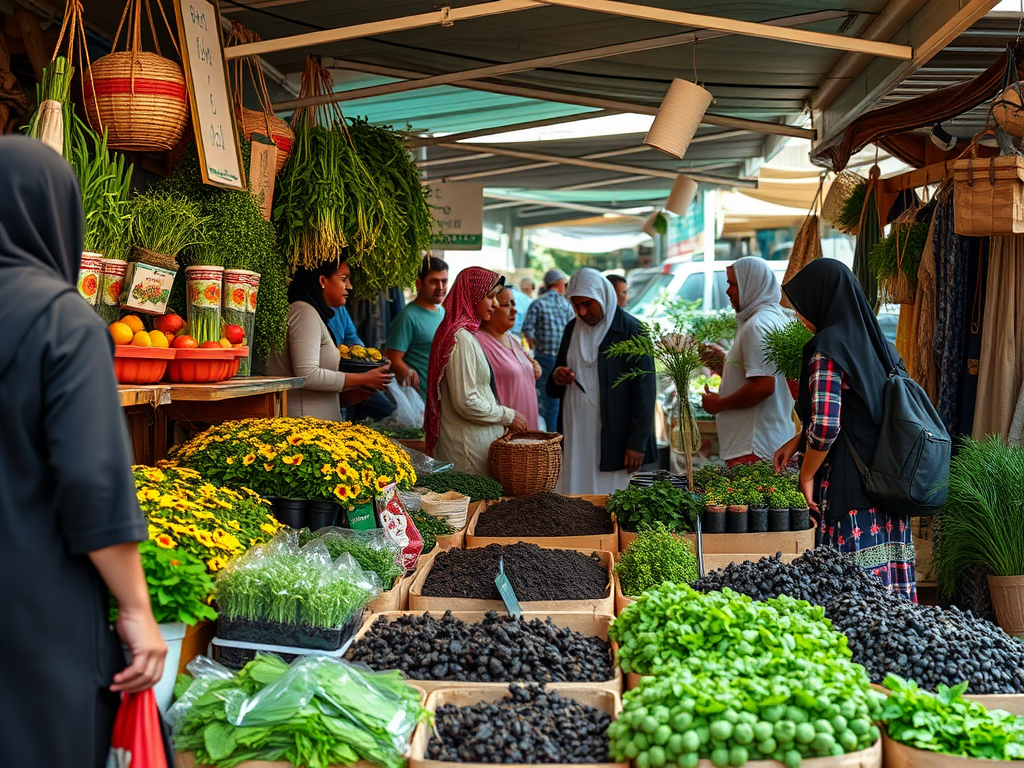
(141, 365)
(201, 366)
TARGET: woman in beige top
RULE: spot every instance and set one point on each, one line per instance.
(311, 350)
(463, 416)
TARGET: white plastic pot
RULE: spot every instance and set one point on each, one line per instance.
(173, 634)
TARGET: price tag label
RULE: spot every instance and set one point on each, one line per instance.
(508, 595)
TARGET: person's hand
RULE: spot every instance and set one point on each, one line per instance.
(563, 376)
(711, 401)
(713, 356)
(413, 379)
(376, 379)
(785, 454)
(807, 489)
(140, 632)
(519, 423)
(633, 460)
(536, 369)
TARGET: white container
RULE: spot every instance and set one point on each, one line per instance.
(173, 634)
(678, 118)
(683, 191)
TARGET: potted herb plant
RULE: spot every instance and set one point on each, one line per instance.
(799, 513)
(661, 502)
(982, 524)
(735, 501)
(757, 511)
(784, 348)
(714, 513)
(655, 556)
(778, 511)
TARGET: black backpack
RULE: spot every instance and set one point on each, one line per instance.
(910, 469)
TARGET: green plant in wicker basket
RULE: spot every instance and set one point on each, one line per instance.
(655, 556)
(848, 218)
(784, 348)
(165, 223)
(896, 259)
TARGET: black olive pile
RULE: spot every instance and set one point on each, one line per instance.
(532, 726)
(887, 633)
(498, 649)
(928, 644)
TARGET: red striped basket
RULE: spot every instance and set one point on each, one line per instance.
(140, 98)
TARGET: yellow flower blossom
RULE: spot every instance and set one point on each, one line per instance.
(268, 528)
(292, 460)
(152, 494)
(268, 467)
(249, 459)
(165, 541)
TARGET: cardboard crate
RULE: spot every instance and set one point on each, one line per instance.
(591, 624)
(605, 542)
(419, 602)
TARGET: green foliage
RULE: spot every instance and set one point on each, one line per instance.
(898, 256)
(315, 712)
(755, 484)
(367, 548)
(477, 488)
(165, 222)
(179, 585)
(395, 432)
(982, 522)
(784, 348)
(947, 723)
(55, 85)
(705, 327)
(634, 506)
(105, 180)
(848, 219)
(653, 557)
(430, 528)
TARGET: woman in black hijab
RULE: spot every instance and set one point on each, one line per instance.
(68, 509)
(846, 365)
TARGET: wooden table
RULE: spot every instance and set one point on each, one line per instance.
(157, 414)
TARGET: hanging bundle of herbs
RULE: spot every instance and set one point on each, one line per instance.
(848, 216)
(784, 348)
(105, 180)
(51, 122)
(895, 260)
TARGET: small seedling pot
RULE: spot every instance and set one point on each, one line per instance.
(321, 514)
(737, 519)
(778, 520)
(714, 519)
(799, 518)
(757, 519)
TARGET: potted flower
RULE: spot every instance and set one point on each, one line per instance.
(799, 513)
(714, 512)
(778, 510)
(757, 511)
(735, 501)
(982, 524)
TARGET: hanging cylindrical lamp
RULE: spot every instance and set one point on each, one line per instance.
(683, 191)
(678, 118)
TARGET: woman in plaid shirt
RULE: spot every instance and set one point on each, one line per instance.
(847, 363)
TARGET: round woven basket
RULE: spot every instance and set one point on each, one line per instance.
(140, 98)
(526, 462)
(281, 133)
(146, 256)
(1008, 111)
(842, 185)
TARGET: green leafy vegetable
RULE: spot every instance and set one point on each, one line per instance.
(653, 557)
(476, 487)
(430, 528)
(635, 506)
(105, 181)
(382, 559)
(165, 223)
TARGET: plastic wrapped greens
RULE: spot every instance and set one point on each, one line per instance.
(373, 550)
(314, 712)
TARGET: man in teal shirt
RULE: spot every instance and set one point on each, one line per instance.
(412, 331)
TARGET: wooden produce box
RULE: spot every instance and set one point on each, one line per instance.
(591, 624)
(604, 700)
(418, 602)
(388, 601)
(866, 758)
(621, 601)
(761, 544)
(605, 542)
(901, 756)
(196, 642)
(188, 760)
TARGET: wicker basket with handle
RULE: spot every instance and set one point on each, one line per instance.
(988, 194)
(841, 188)
(526, 462)
(140, 98)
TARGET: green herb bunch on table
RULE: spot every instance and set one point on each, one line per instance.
(636, 506)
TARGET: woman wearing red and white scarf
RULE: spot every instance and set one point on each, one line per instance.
(463, 417)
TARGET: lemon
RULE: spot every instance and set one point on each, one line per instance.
(121, 333)
(133, 322)
(142, 340)
(158, 339)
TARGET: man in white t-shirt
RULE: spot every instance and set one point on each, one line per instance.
(753, 407)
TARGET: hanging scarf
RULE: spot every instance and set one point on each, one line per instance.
(41, 236)
(868, 235)
(758, 287)
(305, 286)
(469, 288)
(586, 339)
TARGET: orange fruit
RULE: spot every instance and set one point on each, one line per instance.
(159, 339)
(133, 322)
(142, 340)
(121, 333)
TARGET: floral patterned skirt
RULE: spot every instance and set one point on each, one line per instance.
(881, 542)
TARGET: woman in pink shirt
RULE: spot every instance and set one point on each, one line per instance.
(514, 371)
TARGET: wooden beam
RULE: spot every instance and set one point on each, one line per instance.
(557, 60)
(546, 94)
(567, 206)
(506, 169)
(428, 141)
(936, 24)
(443, 17)
(919, 177)
(737, 27)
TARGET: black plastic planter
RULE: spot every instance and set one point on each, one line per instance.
(736, 520)
(799, 519)
(714, 520)
(757, 519)
(778, 520)
(291, 512)
(321, 514)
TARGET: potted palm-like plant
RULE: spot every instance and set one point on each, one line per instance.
(982, 524)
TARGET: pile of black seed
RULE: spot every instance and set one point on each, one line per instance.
(887, 633)
(500, 649)
(532, 726)
(535, 573)
(543, 514)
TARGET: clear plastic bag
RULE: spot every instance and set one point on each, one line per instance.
(356, 543)
(423, 464)
(409, 412)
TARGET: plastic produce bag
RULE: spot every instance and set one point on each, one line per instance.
(374, 550)
(315, 711)
(423, 464)
(137, 740)
(399, 527)
(409, 412)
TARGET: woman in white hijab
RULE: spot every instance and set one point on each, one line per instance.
(608, 432)
(753, 406)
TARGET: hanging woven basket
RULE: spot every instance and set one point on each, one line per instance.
(254, 121)
(526, 462)
(843, 186)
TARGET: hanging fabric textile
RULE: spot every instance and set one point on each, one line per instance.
(976, 293)
(868, 234)
(916, 332)
(807, 243)
(952, 276)
(1001, 366)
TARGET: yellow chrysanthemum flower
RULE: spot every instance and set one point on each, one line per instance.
(268, 467)
(249, 459)
(165, 541)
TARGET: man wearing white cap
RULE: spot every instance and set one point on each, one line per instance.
(609, 430)
(545, 321)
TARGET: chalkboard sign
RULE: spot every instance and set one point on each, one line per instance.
(206, 73)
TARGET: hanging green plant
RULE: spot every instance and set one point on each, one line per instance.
(51, 122)
(784, 348)
(895, 260)
(848, 218)
(105, 180)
